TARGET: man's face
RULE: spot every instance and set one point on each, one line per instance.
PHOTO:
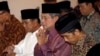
(84, 8)
(4, 15)
(29, 25)
(47, 21)
(4, 19)
(72, 37)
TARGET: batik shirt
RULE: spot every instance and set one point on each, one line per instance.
(12, 34)
(91, 25)
(82, 47)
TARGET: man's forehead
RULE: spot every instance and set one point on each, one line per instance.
(82, 3)
(45, 14)
(26, 20)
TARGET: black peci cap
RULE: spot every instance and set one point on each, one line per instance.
(4, 6)
(64, 5)
(86, 1)
(50, 8)
(30, 13)
(67, 23)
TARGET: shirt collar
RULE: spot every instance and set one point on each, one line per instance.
(89, 16)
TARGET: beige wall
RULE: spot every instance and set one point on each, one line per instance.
(17, 5)
(73, 3)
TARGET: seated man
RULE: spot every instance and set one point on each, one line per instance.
(11, 30)
(69, 27)
(49, 40)
(31, 22)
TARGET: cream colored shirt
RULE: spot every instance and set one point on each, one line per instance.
(27, 45)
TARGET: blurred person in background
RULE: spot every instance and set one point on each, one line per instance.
(64, 7)
(11, 30)
(90, 21)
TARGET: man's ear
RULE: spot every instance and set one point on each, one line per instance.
(56, 18)
(77, 32)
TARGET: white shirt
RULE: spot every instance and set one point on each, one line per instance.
(27, 45)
